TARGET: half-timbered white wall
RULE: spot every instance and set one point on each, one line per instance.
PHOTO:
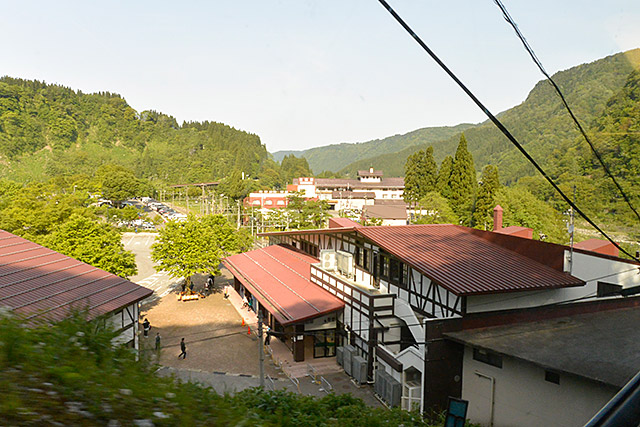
(125, 321)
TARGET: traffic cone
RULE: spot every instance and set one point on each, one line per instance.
(248, 330)
(243, 321)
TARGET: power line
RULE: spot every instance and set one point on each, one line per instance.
(535, 59)
(499, 125)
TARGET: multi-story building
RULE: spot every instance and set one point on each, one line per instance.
(341, 194)
(399, 283)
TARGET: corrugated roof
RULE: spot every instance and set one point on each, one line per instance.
(603, 346)
(279, 277)
(38, 282)
(464, 263)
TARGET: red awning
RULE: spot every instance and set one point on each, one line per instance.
(278, 277)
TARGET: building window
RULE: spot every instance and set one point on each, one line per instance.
(384, 266)
(487, 357)
(552, 377)
(395, 268)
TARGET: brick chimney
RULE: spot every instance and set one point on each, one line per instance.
(497, 218)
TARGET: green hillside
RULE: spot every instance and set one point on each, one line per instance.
(540, 123)
(336, 156)
(48, 130)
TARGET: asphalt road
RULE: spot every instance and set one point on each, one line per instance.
(158, 281)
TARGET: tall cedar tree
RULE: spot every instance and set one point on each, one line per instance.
(444, 175)
(420, 175)
(463, 183)
(489, 184)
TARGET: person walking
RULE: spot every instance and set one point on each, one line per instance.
(267, 339)
(146, 326)
(183, 347)
(157, 341)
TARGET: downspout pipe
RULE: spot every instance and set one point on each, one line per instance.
(493, 394)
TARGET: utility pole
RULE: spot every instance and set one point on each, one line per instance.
(238, 214)
(261, 348)
(571, 232)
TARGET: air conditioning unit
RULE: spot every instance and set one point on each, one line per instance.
(359, 369)
(349, 352)
(339, 355)
(344, 261)
(394, 392)
(380, 385)
(328, 259)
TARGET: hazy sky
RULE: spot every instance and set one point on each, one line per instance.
(307, 73)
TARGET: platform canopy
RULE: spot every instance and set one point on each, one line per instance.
(278, 277)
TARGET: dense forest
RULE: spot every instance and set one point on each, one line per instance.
(49, 130)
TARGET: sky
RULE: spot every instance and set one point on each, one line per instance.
(303, 74)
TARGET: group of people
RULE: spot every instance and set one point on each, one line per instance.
(146, 327)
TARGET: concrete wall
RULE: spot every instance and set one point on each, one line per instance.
(523, 398)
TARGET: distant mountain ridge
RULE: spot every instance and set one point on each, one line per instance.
(337, 156)
(540, 123)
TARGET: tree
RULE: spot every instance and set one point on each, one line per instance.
(523, 209)
(197, 245)
(118, 184)
(435, 209)
(444, 175)
(420, 175)
(489, 184)
(304, 214)
(463, 183)
(96, 244)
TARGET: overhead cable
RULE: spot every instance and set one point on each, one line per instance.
(499, 125)
(535, 59)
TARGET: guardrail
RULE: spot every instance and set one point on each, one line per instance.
(311, 371)
(295, 381)
(326, 385)
(270, 384)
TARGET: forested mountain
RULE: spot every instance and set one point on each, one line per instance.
(540, 123)
(47, 130)
(336, 156)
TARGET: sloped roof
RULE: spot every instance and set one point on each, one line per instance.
(385, 211)
(354, 183)
(38, 282)
(603, 346)
(464, 263)
(279, 277)
(597, 245)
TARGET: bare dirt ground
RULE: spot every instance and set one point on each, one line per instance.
(211, 327)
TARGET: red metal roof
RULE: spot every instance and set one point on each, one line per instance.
(464, 263)
(279, 277)
(598, 245)
(342, 222)
(38, 282)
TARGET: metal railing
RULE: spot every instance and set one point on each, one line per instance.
(326, 385)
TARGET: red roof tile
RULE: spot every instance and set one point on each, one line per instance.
(279, 278)
(464, 263)
(38, 282)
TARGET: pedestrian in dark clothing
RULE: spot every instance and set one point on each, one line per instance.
(183, 347)
(210, 283)
(146, 326)
(267, 339)
(157, 341)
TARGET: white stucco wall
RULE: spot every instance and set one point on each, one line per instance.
(523, 397)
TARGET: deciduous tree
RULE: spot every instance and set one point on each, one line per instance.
(96, 244)
(197, 245)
